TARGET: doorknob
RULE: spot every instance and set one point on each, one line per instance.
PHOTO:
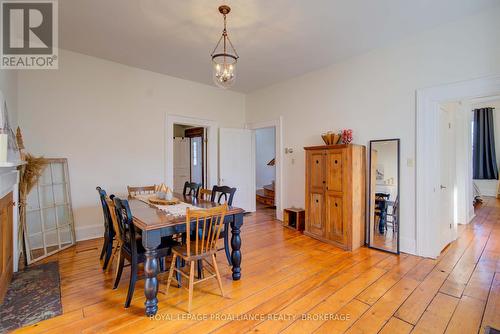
(442, 187)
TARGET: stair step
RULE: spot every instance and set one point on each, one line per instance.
(262, 197)
(269, 190)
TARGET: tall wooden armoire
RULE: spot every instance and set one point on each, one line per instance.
(336, 194)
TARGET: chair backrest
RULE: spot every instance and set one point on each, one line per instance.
(223, 191)
(114, 218)
(205, 194)
(382, 195)
(191, 189)
(108, 226)
(132, 191)
(125, 224)
(395, 207)
(208, 224)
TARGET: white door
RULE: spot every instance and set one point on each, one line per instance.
(181, 163)
(235, 166)
(447, 185)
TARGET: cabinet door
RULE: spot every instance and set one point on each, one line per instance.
(315, 214)
(316, 171)
(335, 222)
(334, 167)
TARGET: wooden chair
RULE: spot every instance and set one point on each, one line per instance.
(191, 189)
(394, 218)
(225, 193)
(109, 231)
(218, 192)
(119, 242)
(131, 248)
(381, 202)
(133, 191)
(204, 247)
(205, 194)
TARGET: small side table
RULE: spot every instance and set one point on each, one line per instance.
(294, 218)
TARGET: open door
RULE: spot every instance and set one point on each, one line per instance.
(235, 165)
(181, 163)
(447, 176)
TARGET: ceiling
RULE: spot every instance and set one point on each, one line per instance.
(276, 40)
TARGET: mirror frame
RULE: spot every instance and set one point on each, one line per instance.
(398, 141)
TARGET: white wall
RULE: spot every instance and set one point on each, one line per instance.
(109, 120)
(374, 94)
(489, 187)
(265, 151)
(8, 86)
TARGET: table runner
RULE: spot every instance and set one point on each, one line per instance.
(177, 210)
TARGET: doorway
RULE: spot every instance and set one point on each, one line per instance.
(265, 169)
(444, 185)
(459, 189)
(190, 150)
(210, 152)
(268, 133)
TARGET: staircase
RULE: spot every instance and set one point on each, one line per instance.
(266, 195)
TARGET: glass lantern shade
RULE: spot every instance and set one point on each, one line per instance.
(224, 70)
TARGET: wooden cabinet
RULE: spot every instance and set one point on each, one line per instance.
(6, 246)
(335, 194)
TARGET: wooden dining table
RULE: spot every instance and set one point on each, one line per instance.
(156, 223)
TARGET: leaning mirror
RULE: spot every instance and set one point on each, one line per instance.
(383, 232)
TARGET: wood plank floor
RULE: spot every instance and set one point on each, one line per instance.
(294, 284)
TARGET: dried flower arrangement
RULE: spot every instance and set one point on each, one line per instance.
(29, 175)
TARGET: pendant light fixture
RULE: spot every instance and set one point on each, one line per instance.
(224, 60)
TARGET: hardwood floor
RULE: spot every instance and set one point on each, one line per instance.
(304, 285)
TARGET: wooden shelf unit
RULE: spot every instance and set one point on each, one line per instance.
(294, 218)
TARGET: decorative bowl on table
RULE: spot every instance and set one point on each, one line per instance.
(162, 201)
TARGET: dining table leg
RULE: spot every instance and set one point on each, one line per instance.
(151, 240)
(236, 224)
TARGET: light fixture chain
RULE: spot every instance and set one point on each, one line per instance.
(232, 47)
(218, 43)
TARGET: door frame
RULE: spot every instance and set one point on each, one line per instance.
(212, 147)
(428, 157)
(277, 124)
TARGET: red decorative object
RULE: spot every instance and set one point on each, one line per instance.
(346, 136)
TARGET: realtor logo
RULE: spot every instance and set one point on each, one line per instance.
(29, 38)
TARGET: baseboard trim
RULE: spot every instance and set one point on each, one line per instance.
(89, 232)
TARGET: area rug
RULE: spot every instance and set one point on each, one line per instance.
(33, 295)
